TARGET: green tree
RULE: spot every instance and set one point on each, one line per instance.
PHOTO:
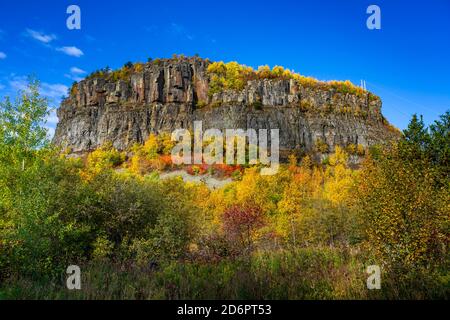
(21, 125)
(128, 65)
(439, 147)
(404, 199)
(416, 139)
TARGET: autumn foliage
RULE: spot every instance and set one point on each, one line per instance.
(307, 232)
(240, 223)
(234, 76)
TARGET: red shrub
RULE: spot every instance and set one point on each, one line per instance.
(166, 160)
(226, 170)
(240, 223)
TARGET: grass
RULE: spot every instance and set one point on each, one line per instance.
(320, 273)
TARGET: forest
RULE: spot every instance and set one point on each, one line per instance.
(308, 232)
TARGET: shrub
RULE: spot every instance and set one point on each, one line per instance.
(151, 147)
(74, 89)
(201, 104)
(404, 210)
(321, 146)
(228, 76)
(39, 233)
(103, 248)
(168, 240)
(360, 150)
(225, 169)
(351, 149)
(105, 157)
(197, 170)
(138, 67)
(236, 175)
(257, 105)
(216, 104)
(233, 76)
(140, 164)
(240, 224)
(305, 105)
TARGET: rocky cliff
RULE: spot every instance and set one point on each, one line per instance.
(172, 93)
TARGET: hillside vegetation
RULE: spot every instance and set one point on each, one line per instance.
(231, 76)
(308, 232)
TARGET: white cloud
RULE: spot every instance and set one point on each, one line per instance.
(50, 132)
(39, 36)
(71, 51)
(75, 70)
(2, 55)
(53, 91)
(75, 74)
(50, 123)
(52, 118)
(18, 83)
(73, 77)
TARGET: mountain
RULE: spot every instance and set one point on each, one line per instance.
(126, 105)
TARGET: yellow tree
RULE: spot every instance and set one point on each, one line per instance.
(406, 213)
(303, 185)
(339, 179)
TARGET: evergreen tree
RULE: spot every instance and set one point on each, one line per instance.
(439, 147)
(416, 139)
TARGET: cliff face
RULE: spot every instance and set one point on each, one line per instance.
(173, 93)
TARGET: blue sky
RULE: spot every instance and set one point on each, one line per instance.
(406, 62)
